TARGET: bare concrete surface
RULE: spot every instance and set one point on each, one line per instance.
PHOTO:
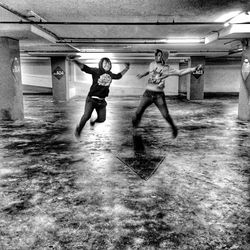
(60, 193)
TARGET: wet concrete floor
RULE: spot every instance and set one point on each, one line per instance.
(60, 193)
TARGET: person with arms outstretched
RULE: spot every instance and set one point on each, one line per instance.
(154, 93)
(99, 90)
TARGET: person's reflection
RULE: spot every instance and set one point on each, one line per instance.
(139, 147)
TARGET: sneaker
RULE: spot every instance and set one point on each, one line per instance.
(77, 132)
(175, 132)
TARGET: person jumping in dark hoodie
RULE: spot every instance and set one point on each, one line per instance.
(99, 90)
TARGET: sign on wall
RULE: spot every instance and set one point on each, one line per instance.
(15, 68)
(245, 69)
(58, 73)
(199, 71)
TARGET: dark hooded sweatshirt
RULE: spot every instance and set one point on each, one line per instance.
(101, 79)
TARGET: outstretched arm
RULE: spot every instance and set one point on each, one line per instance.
(151, 69)
(73, 59)
(139, 76)
(186, 71)
(82, 66)
(178, 72)
(79, 64)
(125, 69)
(119, 75)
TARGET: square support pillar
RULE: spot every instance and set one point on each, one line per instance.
(195, 88)
(183, 80)
(60, 78)
(244, 93)
(11, 93)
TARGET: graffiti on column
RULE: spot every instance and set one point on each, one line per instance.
(245, 70)
(245, 67)
(199, 71)
(15, 69)
(58, 73)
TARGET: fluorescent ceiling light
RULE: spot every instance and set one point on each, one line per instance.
(234, 17)
(242, 18)
(240, 28)
(94, 55)
(227, 16)
(184, 40)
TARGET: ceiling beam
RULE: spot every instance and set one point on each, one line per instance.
(233, 31)
(35, 27)
(117, 23)
(236, 29)
(27, 21)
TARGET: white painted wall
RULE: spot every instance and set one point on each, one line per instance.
(219, 77)
(222, 78)
(36, 72)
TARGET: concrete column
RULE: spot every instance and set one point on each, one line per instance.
(195, 88)
(183, 80)
(244, 94)
(60, 78)
(11, 94)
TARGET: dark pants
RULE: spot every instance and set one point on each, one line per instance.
(158, 98)
(90, 105)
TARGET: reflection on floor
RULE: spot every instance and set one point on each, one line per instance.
(142, 164)
(60, 193)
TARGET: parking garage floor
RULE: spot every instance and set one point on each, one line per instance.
(191, 192)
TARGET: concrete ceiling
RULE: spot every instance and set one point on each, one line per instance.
(134, 27)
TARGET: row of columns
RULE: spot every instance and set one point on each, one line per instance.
(11, 97)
